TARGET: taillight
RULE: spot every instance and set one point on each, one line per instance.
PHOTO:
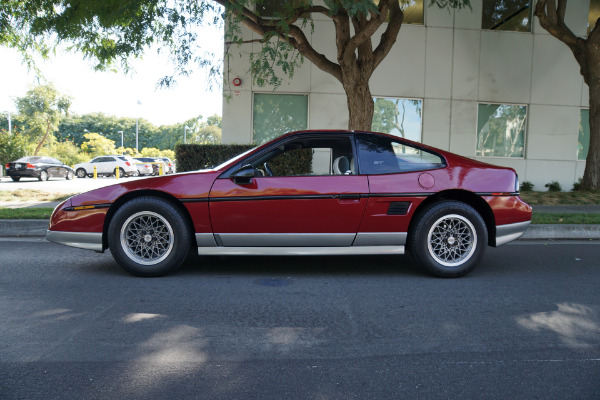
(127, 162)
(147, 166)
(7, 165)
(29, 166)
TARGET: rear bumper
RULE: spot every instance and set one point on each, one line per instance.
(81, 240)
(508, 233)
(30, 173)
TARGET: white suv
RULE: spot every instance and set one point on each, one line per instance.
(107, 165)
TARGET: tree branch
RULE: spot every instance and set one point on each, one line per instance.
(388, 38)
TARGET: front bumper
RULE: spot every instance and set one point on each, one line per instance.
(81, 240)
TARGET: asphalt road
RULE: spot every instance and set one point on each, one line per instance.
(524, 325)
(58, 185)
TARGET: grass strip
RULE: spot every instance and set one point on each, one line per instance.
(556, 198)
(542, 218)
(26, 213)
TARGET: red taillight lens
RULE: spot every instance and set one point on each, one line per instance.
(7, 165)
(127, 162)
(147, 166)
(29, 166)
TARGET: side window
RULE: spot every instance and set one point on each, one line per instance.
(381, 155)
(308, 156)
(96, 160)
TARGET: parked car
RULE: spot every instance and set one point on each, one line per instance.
(40, 167)
(144, 168)
(170, 165)
(356, 193)
(156, 163)
(107, 165)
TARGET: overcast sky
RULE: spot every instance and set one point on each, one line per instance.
(116, 93)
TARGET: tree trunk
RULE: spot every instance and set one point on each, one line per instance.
(360, 104)
(591, 175)
(39, 146)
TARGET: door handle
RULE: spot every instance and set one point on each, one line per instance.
(348, 196)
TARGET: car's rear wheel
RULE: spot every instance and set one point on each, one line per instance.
(81, 173)
(70, 175)
(15, 178)
(43, 175)
(448, 239)
(149, 236)
(121, 172)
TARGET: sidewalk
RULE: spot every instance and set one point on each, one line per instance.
(33, 227)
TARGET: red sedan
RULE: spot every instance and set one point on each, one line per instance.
(358, 193)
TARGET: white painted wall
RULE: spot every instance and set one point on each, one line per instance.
(452, 65)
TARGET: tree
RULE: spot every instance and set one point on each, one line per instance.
(97, 145)
(113, 30)
(43, 108)
(551, 15)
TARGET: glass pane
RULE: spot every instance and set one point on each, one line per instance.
(276, 114)
(501, 130)
(413, 11)
(583, 142)
(398, 117)
(506, 15)
(593, 15)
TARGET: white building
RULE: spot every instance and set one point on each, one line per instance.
(511, 96)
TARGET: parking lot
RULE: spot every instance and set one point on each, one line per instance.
(56, 185)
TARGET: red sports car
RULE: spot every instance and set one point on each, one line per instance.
(351, 193)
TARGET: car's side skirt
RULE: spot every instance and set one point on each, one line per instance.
(300, 239)
(300, 251)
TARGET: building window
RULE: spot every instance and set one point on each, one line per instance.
(593, 15)
(583, 141)
(506, 15)
(413, 11)
(398, 117)
(501, 130)
(275, 114)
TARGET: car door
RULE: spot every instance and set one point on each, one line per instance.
(275, 201)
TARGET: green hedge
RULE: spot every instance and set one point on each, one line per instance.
(192, 157)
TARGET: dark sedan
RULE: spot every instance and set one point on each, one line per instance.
(40, 167)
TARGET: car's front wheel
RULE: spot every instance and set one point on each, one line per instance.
(15, 178)
(149, 236)
(81, 173)
(448, 239)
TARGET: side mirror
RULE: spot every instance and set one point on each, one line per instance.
(245, 174)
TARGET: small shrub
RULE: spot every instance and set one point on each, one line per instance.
(527, 186)
(577, 186)
(553, 186)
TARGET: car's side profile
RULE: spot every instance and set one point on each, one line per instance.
(107, 165)
(39, 167)
(310, 192)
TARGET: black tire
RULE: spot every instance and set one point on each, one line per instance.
(144, 225)
(121, 172)
(448, 239)
(81, 173)
(70, 175)
(136, 173)
(43, 175)
(15, 178)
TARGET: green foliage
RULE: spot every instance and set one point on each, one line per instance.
(527, 186)
(67, 152)
(553, 186)
(577, 185)
(192, 157)
(43, 107)
(153, 152)
(97, 145)
(12, 147)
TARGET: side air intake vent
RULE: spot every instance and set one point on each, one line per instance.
(398, 208)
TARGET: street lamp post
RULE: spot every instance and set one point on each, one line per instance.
(185, 129)
(122, 146)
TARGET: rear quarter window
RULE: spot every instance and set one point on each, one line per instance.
(383, 155)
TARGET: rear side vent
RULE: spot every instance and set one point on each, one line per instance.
(398, 208)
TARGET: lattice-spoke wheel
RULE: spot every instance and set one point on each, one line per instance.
(149, 236)
(448, 238)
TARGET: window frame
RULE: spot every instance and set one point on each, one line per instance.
(525, 133)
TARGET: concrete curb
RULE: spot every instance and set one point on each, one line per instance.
(38, 227)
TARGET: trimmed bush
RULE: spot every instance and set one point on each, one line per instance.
(192, 157)
(527, 186)
(553, 186)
